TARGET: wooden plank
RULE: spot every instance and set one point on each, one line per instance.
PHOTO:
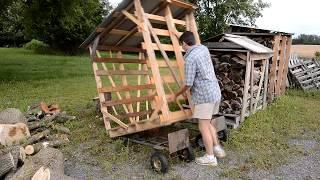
(116, 120)
(163, 64)
(255, 57)
(262, 79)
(98, 79)
(193, 27)
(126, 88)
(120, 48)
(266, 78)
(135, 114)
(119, 60)
(165, 47)
(282, 61)
(285, 72)
(128, 101)
(124, 32)
(251, 86)
(246, 87)
(153, 60)
(182, 4)
(121, 72)
(126, 37)
(132, 18)
(272, 74)
(161, 32)
(162, 19)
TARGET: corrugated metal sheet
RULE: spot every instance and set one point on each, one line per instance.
(247, 43)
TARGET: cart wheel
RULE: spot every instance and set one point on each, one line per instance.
(223, 135)
(199, 141)
(186, 154)
(159, 162)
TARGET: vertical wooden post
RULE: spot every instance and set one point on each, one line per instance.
(246, 87)
(262, 79)
(266, 80)
(98, 79)
(193, 27)
(152, 59)
(285, 71)
(282, 62)
(272, 74)
(251, 86)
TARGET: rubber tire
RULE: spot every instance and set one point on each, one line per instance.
(223, 135)
(162, 159)
(186, 154)
(199, 141)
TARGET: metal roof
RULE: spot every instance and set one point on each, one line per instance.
(242, 41)
(127, 25)
(249, 30)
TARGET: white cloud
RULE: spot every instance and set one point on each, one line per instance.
(294, 16)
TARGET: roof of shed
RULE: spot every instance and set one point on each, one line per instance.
(242, 42)
(127, 25)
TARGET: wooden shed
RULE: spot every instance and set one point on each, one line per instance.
(136, 57)
(241, 66)
(280, 43)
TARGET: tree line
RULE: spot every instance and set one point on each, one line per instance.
(64, 24)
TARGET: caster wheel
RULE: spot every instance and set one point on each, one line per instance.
(223, 135)
(199, 141)
(186, 154)
(159, 162)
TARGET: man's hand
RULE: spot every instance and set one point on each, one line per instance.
(172, 98)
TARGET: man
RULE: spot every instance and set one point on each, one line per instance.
(206, 94)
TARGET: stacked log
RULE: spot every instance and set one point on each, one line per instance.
(230, 72)
(21, 136)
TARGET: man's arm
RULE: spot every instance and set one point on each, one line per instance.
(182, 90)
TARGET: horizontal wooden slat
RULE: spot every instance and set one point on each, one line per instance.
(119, 60)
(134, 114)
(126, 88)
(163, 64)
(163, 19)
(121, 72)
(128, 101)
(166, 47)
(120, 48)
(182, 4)
(169, 79)
(123, 32)
(161, 32)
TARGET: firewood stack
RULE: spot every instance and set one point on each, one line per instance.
(22, 136)
(230, 71)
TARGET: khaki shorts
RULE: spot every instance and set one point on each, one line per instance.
(205, 111)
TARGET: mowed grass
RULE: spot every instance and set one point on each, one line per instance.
(27, 78)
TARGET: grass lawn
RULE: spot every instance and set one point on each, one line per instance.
(27, 78)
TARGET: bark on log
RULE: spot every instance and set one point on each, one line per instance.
(37, 137)
(6, 163)
(12, 116)
(35, 148)
(48, 157)
(61, 129)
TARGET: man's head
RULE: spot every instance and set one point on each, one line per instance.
(187, 40)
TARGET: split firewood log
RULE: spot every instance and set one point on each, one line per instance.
(35, 148)
(240, 92)
(17, 153)
(48, 157)
(235, 105)
(37, 137)
(225, 58)
(13, 133)
(225, 104)
(238, 60)
(6, 163)
(55, 137)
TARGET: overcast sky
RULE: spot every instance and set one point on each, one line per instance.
(293, 16)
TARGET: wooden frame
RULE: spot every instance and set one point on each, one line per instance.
(140, 96)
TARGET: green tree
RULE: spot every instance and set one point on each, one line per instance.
(63, 24)
(213, 15)
(307, 39)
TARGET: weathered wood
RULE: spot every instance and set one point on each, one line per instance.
(285, 71)
(37, 137)
(6, 163)
(35, 148)
(282, 61)
(119, 60)
(246, 88)
(272, 74)
(262, 79)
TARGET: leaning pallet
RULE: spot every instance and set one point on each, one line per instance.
(241, 67)
(136, 57)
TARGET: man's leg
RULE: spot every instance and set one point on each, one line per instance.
(204, 127)
(214, 135)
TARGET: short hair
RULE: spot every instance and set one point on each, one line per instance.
(188, 38)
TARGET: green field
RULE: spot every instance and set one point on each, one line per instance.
(27, 78)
